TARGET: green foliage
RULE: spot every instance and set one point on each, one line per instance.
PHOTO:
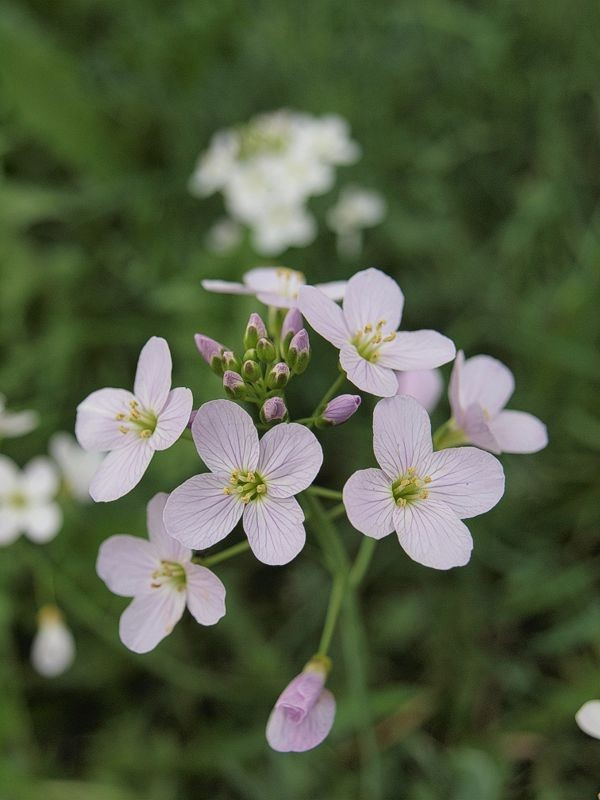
(479, 122)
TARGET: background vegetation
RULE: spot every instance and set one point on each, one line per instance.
(479, 122)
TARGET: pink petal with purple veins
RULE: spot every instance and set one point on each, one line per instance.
(205, 595)
(467, 480)
(153, 374)
(274, 529)
(166, 547)
(425, 385)
(401, 435)
(432, 535)
(486, 381)
(121, 471)
(323, 315)
(417, 350)
(226, 287)
(476, 426)
(303, 715)
(150, 617)
(454, 387)
(371, 296)
(290, 458)
(519, 432)
(369, 502)
(276, 300)
(173, 418)
(369, 377)
(334, 289)
(126, 564)
(199, 513)
(97, 426)
(225, 437)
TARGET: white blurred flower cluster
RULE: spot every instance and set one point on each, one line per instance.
(267, 170)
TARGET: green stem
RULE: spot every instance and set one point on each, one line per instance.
(230, 552)
(362, 560)
(321, 491)
(337, 384)
(448, 435)
(337, 511)
(326, 532)
(336, 598)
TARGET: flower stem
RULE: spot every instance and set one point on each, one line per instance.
(362, 560)
(337, 511)
(337, 384)
(448, 435)
(230, 552)
(328, 494)
(338, 591)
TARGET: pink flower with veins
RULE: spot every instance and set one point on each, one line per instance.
(303, 714)
(274, 286)
(371, 349)
(425, 385)
(249, 479)
(421, 494)
(133, 426)
(479, 389)
(161, 578)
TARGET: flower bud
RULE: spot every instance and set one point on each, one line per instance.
(255, 330)
(273, 410)
(298, 354)
(53, 648)
(234, 385)
(265, 350)
(339, 410)
(251, 371)
(211, 351)
(279, 376)
(230, 361)
(292, 323)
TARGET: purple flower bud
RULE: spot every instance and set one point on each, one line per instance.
(340, 409)
(298, 354)
(279, 376)
(255, 330)
(273, 410)
(292, 323)
(211, 352)
(230, 360)
(251, 370)
(234, 385)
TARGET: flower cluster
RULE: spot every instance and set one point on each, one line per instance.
(423, 488)
(267, 169)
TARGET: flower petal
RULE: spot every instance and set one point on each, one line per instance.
(225, 437)
(401, 435)
(334, 289)
(165, 546)
(121, 471)
(10, 525)
(150, 617)
(425, 385)
(467, 480)
(371, 296)
(369, 377)
(324, 315)
(476, 426)
(199, 514)
(40, 480)
(9, 476)
(173, 419)
(417, 350)
(286, 735)
(41, 523)
(226, 287)
(588, 718)
(519, 432)
(264, 279)
(290, 458)
(432, 535)
(126, 563)
(274, 529)
(205, 595)
(454, 387)
(369, 502)
(97, 424)
(486, 381)
(153, 374)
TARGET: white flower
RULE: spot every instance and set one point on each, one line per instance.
(214, 168)
(283, 227)
(588, 718)
(78, 466)
(16, 423)
(27, 501)
(356, 208)
(224, 236)
(53, 648)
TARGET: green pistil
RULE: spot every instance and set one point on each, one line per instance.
(169, 572)
(410, 487)
(248, 485)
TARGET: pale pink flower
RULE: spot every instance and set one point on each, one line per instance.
(53, 647)
(588, 718)
(250, 479)
(274, 286)
(303, 714)
(28, 501)
(425, 385)
(161, 578)
(479, 389)
(365, 333)
(421, 494)
(133, 426)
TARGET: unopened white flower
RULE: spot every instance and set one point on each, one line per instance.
(27, 501)
(588, 718)
(53, 648)
(224, 236)
(78, 466)
(16, 423)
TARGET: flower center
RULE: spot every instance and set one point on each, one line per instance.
(290, 281)
(141, 420)
(246, 485)
(171, 572)
(368, 341)
(17, 500)
(409, 488)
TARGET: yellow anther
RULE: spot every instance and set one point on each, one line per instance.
(381, 323)
(135, 414)
(404, 482)
(227, 490)
(121, 417)
(251, 476)
(427, 478)
(146, 433)
(390, 337)
(401, 502)
(133, 404)
(424, 494)
(368, 328)
(123, 429)
(411, 471)
(261, 488)
(246, 498)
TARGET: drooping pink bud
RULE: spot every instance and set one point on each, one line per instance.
(340, 409)
(255, 330)
(211, 352)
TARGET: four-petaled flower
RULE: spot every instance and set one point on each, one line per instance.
(256, 480)
(421, 494)
(161, 578)
(479, 389)
(274, 286)
(133, 426)
(371, 349)
(27, 501)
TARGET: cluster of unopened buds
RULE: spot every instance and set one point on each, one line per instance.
(422, 489)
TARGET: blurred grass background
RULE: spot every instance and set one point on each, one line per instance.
(479, 122)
